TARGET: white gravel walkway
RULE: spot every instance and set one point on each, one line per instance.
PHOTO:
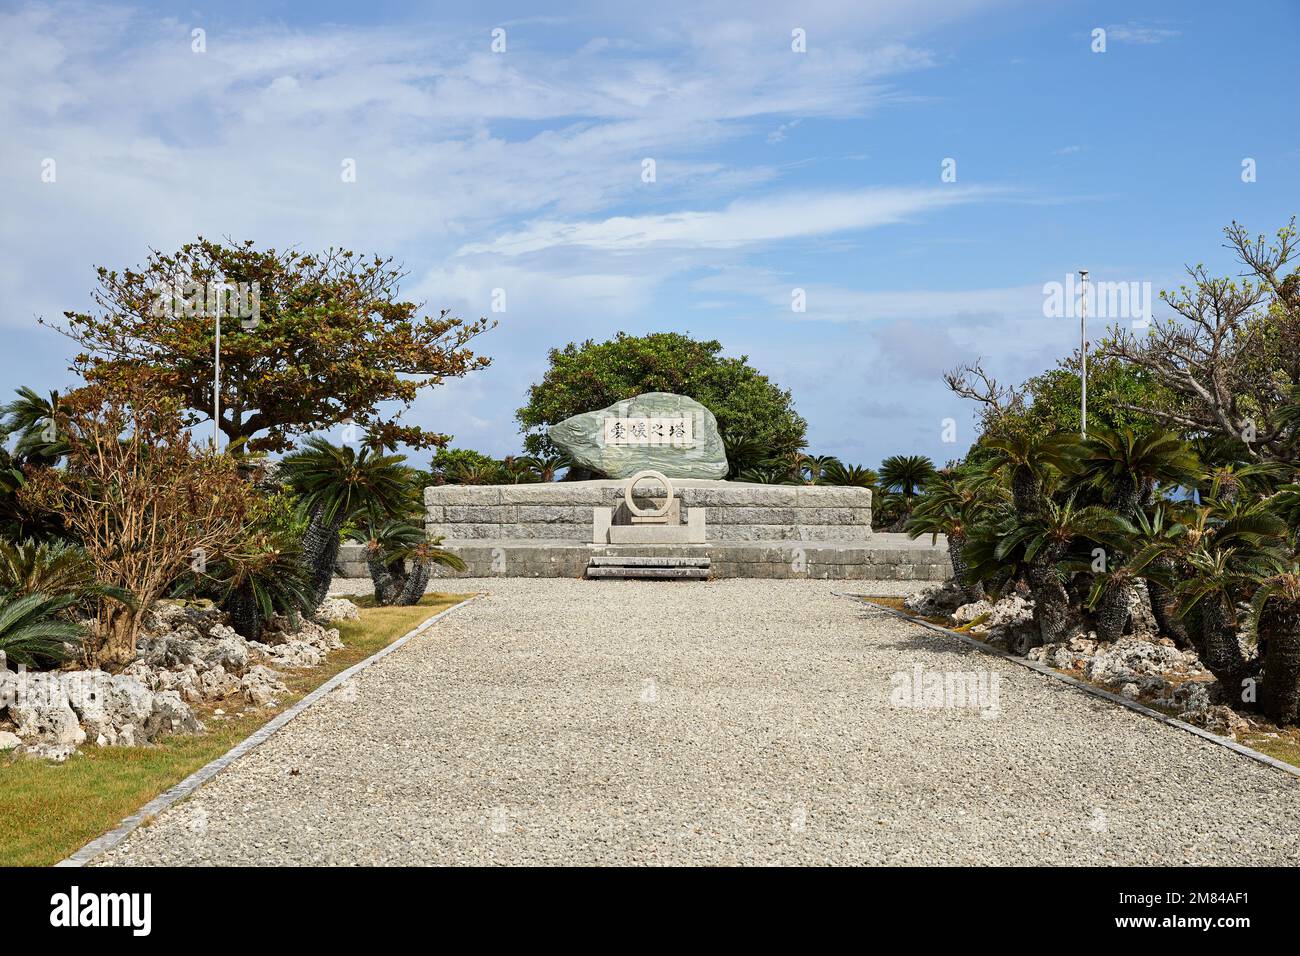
(741, 721)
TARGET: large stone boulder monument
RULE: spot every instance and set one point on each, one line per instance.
(657, 431)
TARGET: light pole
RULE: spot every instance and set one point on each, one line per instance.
(1083, 353)
(216, 388)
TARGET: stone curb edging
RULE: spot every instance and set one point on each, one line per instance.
(1087, 688)
(167, 798)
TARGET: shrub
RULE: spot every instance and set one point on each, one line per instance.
(141, 498)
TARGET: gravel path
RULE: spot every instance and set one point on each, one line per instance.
(741, 721)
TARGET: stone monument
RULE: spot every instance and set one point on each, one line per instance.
(653, 525)
(671, 434)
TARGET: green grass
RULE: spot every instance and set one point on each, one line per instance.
(1282, 743)
(49, 810)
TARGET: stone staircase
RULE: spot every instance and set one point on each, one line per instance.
(655, 567)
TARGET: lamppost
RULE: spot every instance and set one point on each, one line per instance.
(1083, 353)
(216, 388)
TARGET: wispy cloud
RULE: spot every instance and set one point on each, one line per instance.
(1132, 32)
(519, 172)
(743, 222)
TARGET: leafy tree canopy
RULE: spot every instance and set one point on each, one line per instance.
(331, 341)
(585, 377)
(1048, 404)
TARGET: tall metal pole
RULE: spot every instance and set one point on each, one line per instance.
(216, 389)
(1083, 353)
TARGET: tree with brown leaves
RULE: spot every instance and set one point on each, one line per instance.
(144, 502)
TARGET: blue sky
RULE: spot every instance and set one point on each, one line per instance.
(774, 170)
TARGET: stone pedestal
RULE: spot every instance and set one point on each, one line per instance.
(562, 510)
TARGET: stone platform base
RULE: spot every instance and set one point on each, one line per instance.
(562, 510)
(886, 557)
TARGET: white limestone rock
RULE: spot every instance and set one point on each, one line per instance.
(1006, 615)
(335, 609)
(936, 599)
(262, 686)
(226, 650)
(44, 716)
(970, 612)
(1142, 620)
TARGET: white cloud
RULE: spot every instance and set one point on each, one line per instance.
(832, 303)
(465, 160)
(743, 222)
(155, 143)
(1140, 33)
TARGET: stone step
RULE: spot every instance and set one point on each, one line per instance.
(648, 561)
(678, 574)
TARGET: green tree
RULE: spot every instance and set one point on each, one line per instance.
(587, 376)
(464, 466)
(1049, 403)
(331, 343)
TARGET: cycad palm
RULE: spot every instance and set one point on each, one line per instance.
(32, 418)
(743, 454)
(52, 568)
(838, 473)
(814, 467)
(35, 630)
(1028, 463)
(335, 484)
(262, 576)
(546, 467)
(1126, 465)
(1215, 557)
(1286, 505)
(1276, 615)
(1153, 538)
(951, 505)
(1047, 538)
(477, 473)
(1216, 578)
(904, 475)
(1227, 481)
(388, 545)
(423, 557)
(1228, 469)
